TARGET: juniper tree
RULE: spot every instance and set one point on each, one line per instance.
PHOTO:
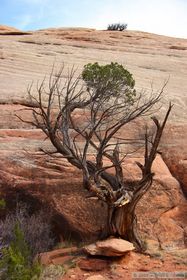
(106, 97)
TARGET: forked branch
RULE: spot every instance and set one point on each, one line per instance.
(89, 141)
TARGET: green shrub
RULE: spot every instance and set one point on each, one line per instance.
(111, 79)
(16, 262)
(117, 26)
(2, 204)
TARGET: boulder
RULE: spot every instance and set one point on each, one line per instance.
(113, 247)
(173, 237)
(163, 219)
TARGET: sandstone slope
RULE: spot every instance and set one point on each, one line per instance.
(25, 172)
(151, 58)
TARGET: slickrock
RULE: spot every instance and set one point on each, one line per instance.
(29, 174)
(26, 173)
(151, 58)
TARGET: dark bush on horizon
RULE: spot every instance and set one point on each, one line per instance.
(117, 26)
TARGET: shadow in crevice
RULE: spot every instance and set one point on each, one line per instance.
(62, 230)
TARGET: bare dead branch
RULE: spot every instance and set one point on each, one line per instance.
(103, 115)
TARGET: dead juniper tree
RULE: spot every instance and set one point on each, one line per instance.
(91, 145)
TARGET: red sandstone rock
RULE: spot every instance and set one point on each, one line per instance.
(175, 152)
(59, 256)
(24, 172)
(55, 183)
(93, 264)
(112, 247)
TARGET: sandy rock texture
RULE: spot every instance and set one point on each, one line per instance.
(29, 175)
(151, 58)
(25, 172)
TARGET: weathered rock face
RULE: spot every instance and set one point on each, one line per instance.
(167, 233)
(24, 172)
(28, 58)
(175, 152)
(164, 196)
(55, 183)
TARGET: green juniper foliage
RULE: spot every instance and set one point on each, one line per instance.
(16, 263)
(117, 26)
(112, 79)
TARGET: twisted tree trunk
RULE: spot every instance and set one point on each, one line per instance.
(104, 120)
(122, 220)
